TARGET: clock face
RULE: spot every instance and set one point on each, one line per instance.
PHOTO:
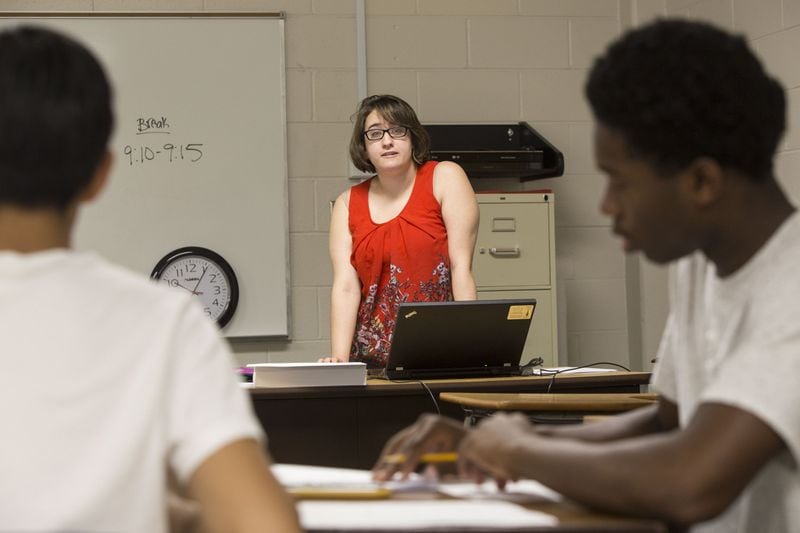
(204, 274)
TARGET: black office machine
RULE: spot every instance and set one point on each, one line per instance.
(496, 150)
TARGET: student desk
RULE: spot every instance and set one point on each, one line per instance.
(542, 407)
(348, 426)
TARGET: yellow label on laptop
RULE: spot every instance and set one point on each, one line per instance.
(520, 312)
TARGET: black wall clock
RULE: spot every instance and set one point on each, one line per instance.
(205, 274)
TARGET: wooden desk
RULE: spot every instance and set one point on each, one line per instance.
(348, 426)
(560, 407)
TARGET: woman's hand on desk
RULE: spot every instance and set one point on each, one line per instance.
(430, 434)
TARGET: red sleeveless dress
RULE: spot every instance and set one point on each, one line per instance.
(402, 260)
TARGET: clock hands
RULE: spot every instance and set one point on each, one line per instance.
(178, 284)
(219, 295)
(194, 291)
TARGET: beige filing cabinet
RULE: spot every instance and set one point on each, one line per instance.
(515, 258)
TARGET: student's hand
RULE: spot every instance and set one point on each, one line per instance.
(430, 434)
(489, 449)
(331, 359)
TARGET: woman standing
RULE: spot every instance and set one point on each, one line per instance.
(406, 234)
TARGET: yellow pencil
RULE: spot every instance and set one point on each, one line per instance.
(340, 493)
(441, 457)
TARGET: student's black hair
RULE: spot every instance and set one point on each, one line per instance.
(678, 90)
(55, 118)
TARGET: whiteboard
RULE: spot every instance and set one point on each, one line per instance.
(199, 148)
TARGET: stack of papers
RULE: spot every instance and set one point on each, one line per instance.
(525, 491)
(479, 506)
(274, 375)
(410, 515)
(322, 477)
(570, 370)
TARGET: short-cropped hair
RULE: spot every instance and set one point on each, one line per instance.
(395, 111)
(677, 90)
(55, 117)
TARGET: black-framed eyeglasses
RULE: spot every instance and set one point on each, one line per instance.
(395, 132)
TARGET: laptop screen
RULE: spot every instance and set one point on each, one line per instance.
(459, 339)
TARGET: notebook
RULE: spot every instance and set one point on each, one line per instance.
(459, 339)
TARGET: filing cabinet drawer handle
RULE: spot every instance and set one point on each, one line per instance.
(505, 252)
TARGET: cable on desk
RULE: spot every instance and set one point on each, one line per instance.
(424, 386)
(433, 398)
(557, 372)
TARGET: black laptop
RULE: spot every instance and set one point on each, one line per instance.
(438, 340)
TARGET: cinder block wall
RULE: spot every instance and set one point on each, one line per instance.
(478, 61)
(454, 61)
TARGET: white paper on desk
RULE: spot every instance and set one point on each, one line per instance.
(524, 491)
(323, 476)
(411, 515)
(569, 370)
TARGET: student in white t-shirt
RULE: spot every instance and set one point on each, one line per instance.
(687, 124)
(107, 382)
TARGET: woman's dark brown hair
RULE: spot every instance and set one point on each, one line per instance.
(395, 111)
